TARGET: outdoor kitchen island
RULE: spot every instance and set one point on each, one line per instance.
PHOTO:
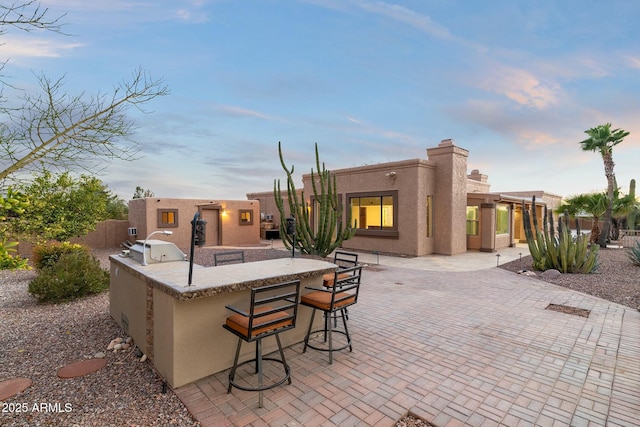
(179, 327)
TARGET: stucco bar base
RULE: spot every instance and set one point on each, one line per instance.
(179, 327)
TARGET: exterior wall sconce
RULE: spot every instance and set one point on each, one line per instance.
(392, 175)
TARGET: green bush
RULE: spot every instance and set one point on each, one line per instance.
(9, 261)
(47, 254)
(634, 254)
(74, 275)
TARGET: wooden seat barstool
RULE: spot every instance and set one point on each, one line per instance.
(273, 309)
(331, 301)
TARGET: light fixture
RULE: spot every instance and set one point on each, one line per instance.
(144, 245)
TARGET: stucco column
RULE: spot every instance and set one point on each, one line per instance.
(450, 197)
(488, 227)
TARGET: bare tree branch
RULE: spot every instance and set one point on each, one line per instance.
(28, 16)
(54, 130)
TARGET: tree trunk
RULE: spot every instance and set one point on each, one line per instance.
(611, 179)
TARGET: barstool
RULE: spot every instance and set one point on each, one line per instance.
(333, 300)
(343, 260)
(273, 309)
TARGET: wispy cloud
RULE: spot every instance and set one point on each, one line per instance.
(633, 61)
(405, 15)
(241, 112)
(16, 47)
(353, 120)
(521, 86)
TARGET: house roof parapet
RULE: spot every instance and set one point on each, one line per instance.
(410, 163)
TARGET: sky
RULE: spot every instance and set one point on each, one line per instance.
(515, 82)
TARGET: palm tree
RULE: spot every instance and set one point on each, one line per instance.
(603, 139)
(594, 204)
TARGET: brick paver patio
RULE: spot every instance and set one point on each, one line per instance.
(455, 348)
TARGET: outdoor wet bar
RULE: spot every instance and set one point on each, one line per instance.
(179, 326)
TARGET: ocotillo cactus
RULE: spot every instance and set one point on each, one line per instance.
(330, 231)
(562, 252)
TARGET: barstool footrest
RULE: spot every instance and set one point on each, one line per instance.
(316, 347)
(281, 381)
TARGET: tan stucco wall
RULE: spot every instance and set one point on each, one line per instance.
(143, 214)
(268, 204)
(108, 234)
(450, 198)
(413, 181)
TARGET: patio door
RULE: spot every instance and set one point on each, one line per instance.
(212, 233)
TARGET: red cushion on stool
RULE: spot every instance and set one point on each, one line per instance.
(240, 323)
(322, 300)
(328, 278)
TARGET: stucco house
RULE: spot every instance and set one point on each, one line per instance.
(229, 222)
(410, 207)
(423, 206)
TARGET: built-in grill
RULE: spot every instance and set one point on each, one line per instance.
(156, 251)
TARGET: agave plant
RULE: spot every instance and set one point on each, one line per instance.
(634, 254)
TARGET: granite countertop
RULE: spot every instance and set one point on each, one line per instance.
(172, 277)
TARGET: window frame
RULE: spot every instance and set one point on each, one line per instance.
(162, 223)
(429, 216)
(241, 213)
(389, 232)
(474, 222)
(505, 208)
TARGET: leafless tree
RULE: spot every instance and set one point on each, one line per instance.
(54, 130)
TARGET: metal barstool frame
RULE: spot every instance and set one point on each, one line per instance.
(258, 308)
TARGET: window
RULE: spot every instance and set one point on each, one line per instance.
(246, 217)
(167, 218)
(374, 213)
(429, 212)
(472, 220)
(502, 219)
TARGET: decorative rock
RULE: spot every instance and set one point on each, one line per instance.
(117, 347)
(129, 340)
(143, 358)
(12, 387)
(113, 343)
(99, 355)
(83, 367)
(125, 346)
(138, 352)
(551, 274)
(527, 273)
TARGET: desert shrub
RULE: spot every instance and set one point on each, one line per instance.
(8, 259)
(74, 275)
(47, 254)
(634, 254)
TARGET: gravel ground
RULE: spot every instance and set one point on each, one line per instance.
(38, 339)
(616, 279)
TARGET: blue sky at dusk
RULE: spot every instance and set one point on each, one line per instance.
(514, 82)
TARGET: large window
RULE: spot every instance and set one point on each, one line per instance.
(502, 219)
(167, 218)
(374, 213)
(473, 219)
(246, 217)
(429, 218)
